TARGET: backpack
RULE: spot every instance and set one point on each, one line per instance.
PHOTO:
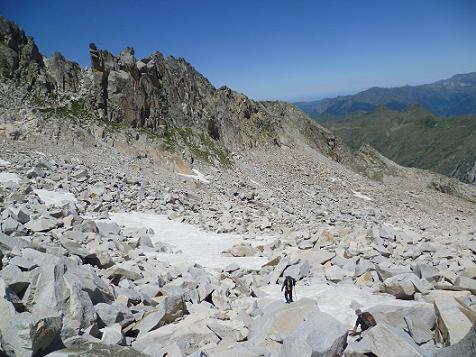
(289, 283)
(369, 319)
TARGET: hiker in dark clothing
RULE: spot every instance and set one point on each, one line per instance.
(288, 285)
(365, 320)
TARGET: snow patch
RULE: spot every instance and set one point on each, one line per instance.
(361, 195)
(4, 163)
(55, 198)
(191, 244)
(198, 176)
(254, 182)
(340, 300)
(9, 177)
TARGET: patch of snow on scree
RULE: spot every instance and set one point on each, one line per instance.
(196, 246)
(54, 198)
(340, 301)
(198, 176)
(9, 177)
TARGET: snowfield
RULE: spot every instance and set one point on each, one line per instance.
(338, 300)
(192, 244)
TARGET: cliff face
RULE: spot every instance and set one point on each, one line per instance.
(159, 94)
(20, 59)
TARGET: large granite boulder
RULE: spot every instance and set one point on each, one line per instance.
(452, 323)
(319, 335)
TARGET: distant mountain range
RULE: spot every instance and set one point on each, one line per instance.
(415, 137)
(453, 96)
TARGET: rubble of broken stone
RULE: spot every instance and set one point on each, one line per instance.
(71, 280)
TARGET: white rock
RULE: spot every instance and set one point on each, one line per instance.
(321, 332)
(55, 198)
(6, 177)
(112, 335)
(383, 340)
(452, 324)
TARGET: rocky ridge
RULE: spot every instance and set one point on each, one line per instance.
(166, 97)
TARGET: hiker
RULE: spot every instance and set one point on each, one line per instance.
(365, 320)
(288, 285)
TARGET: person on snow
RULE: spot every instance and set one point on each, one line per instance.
(288, 285)
(365, 320)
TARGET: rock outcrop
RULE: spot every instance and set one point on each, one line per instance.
(165, 96)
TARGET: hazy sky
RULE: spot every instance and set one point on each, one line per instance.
(289, 50)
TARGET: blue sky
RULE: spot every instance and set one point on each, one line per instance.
(291, 50)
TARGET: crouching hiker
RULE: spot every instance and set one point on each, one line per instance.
(288, 285)
(365, 320)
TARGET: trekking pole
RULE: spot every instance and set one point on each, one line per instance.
(295, 293)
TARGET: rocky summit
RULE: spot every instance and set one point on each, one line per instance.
(144, 212)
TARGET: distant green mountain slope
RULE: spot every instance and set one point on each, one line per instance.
(417, 138)
(453, 96)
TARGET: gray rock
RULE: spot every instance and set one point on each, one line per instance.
(35, 172)
(8, 178)
(16, 279)
(465, 283)
(121, 271)
(427, 272)
(229, 330)
(278, 270)
(363, 266)
(112, 335)
(472, 246)
(27, 334)
(452, 324)
(97, 289)
(298, 271)
(394, 315)
(243, 250)
(306, 244)
(387, 270)
(383, 340)
(149, 322)
(419, 332)
(80, 312)
(145, 241)
(189, 333)
(23, 263)
(403, 286)
(9, 226)
(8, 243)
(470, 272)
(116, 312)
(106, 228)
(76, 248)
(7, 309)
(464, 348)
(86, 226)
(335, 273)
(84, 348)
(320, 256)
(321, 332)
(55, 288)
(279, 320)
(41, 224)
